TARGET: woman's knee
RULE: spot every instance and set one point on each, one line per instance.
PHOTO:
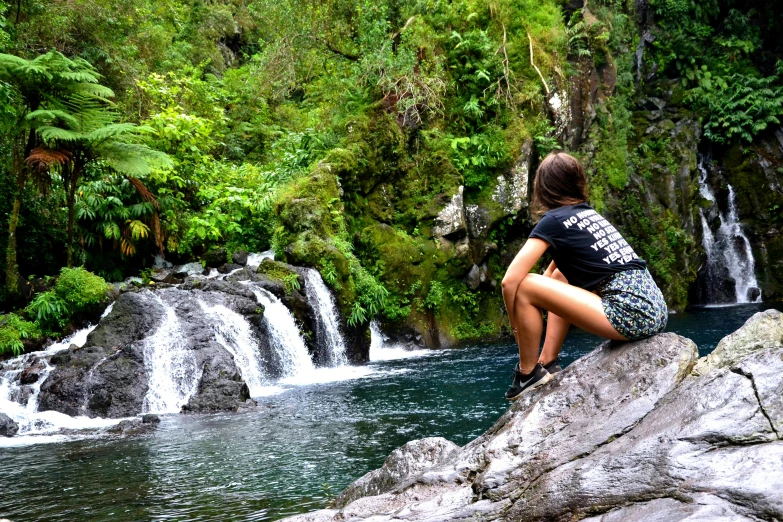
(558, 275)
(528, 286)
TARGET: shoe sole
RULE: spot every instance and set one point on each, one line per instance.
(542, 382)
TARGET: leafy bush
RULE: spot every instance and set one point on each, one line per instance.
(13, 329)
(80, 289)
(76, 290)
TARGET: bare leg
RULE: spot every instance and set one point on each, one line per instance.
(571, 304)
(556, 330)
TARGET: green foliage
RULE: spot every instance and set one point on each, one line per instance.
(739, 107)
(75, 291)
(478, 155)
(435, 296)
(80, 289)
(291, 283)
(329, 273)
(49, 310)
(13, 331)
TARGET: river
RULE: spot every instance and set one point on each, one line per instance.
(298, 448)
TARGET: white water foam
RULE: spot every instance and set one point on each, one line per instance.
(327, 320)
(254, 260)
(36, 426)
(284, 336)
(172, 372)
(380, 350)
(234, 334)
(729, 243)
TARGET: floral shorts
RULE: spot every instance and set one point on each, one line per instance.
(633, 303)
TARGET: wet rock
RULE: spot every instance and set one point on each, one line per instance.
(8, 428)
(240, 257)
(132, 427)
(162, 275)
(189, 269)
(248, 405)
(108, 377)
(763, 330)
(228, 268)
(150, 418)
(214, 258)
(624, 433)
(32, 373)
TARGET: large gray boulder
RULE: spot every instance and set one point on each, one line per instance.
(110, 376)
(625, 433)
(763, 330)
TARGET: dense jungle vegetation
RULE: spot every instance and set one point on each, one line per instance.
(334, 132)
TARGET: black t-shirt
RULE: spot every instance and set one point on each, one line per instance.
(585, 247)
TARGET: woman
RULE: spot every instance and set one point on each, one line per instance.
(595, 281)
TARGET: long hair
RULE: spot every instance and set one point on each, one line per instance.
(560, 180)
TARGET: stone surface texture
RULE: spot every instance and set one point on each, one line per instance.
(626, 433)
(764, 329)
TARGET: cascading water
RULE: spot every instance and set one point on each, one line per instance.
(284, 336)
(729, 248)
(381, 350)
(327, 322)
(254, 260)
(172, 372)
(233, 333)
(20, 401)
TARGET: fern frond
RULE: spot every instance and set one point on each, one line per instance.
(43, 158)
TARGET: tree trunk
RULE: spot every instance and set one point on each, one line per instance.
(76, 170)
(11, 267)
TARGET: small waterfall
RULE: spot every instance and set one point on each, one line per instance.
(327, 319)
(233, 333)
(172, 371)
(728, 248)
(254, 260)
(380, 350)
(284, 335)
(20, 402)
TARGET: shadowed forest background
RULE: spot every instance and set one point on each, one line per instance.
(337, 132)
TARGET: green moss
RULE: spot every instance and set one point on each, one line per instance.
(659, 238)
(290, 279)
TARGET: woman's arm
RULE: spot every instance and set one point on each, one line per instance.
(528, 256)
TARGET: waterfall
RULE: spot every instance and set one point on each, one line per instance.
(381, 350)
(327, 319)
(254, 260)
(728, 248)
(172, 371)
(284, 335)
(233, 333)
(20, 402)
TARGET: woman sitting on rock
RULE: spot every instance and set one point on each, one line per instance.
(595, 281)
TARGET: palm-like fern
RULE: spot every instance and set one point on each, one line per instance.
(42, 83)
(85, 126)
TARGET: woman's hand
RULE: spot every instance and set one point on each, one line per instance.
(528, 256)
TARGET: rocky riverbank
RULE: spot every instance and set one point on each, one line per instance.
(628, 432)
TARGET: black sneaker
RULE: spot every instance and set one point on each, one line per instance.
(525, 383)
(553, 367)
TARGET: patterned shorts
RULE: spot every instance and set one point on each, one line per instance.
(633, 303)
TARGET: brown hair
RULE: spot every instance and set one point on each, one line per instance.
(560, 181)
